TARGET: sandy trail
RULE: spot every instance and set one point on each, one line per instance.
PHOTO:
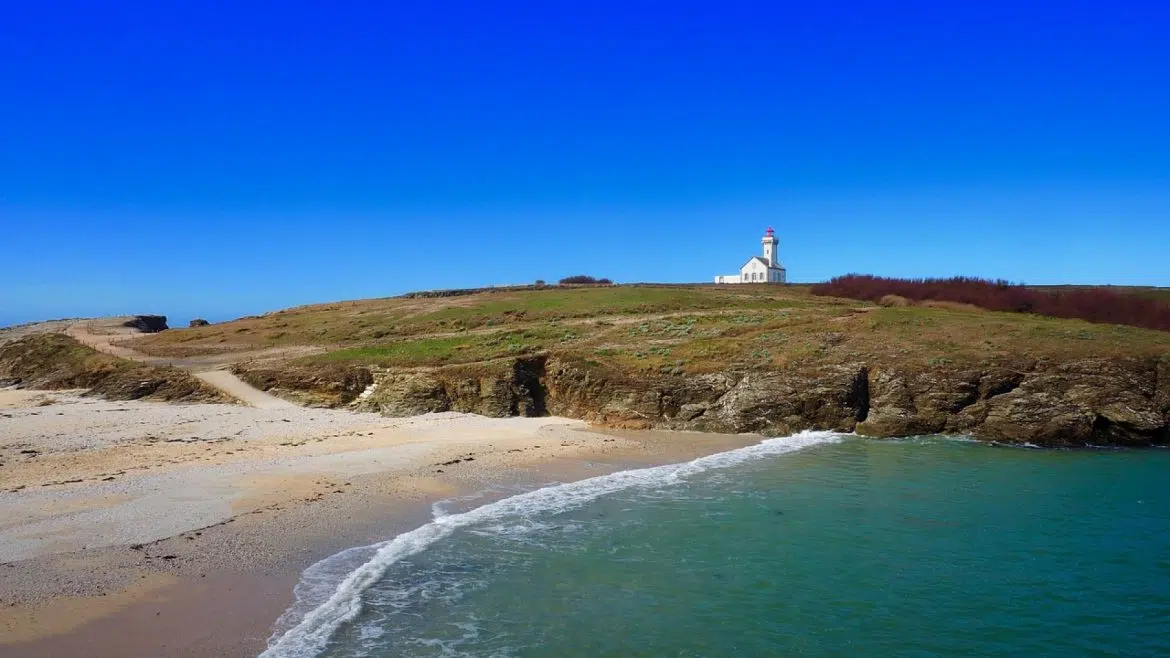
(108, 337)
(105, 336)
(227, 382)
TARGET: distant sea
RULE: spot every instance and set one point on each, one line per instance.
(812, 545)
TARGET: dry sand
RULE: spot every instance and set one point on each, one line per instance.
(189, 524)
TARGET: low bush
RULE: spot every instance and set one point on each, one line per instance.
(581, 279)
(1091, 304)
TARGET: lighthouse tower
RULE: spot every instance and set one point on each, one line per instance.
(771, 248)
(760, 269)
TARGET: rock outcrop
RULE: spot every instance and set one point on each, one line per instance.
(147, 324)
(318, 386)
(1092, 402)
(498, 389)
(199, 322)
(931, 402)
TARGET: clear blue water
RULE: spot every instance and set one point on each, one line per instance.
(843, 547)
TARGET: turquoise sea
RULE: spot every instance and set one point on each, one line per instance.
(813, 545)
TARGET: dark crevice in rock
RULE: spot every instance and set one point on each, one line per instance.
(1110, 432)
(1000, 386)
(528, 375)
(859, 394)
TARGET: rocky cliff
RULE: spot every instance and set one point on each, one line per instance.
(1090, 402)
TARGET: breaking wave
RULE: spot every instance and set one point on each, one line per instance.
(330, 592)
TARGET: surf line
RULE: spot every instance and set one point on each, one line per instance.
(309, 635)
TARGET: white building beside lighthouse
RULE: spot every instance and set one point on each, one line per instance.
(765, 269)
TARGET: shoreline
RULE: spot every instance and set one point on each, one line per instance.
(280, 501)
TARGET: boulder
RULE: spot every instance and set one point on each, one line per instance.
(199, 322)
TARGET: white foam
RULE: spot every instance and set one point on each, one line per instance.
(308, 632)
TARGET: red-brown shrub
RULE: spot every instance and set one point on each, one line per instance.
(1092, 304)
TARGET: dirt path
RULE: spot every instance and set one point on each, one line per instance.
(227, 382)
(102, 334)
(109, 337)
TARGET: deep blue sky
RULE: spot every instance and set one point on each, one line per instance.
(203, 158)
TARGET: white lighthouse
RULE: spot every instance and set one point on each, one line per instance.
(765, 269)
(771, 246)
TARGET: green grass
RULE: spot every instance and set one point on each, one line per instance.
(449, 350)
(556, 304)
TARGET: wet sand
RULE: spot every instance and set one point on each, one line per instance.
(147, 529)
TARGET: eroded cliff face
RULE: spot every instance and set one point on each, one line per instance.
(831, 397)
(320, 386)
(1090, 402)
(499, 389)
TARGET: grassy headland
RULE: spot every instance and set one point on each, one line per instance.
(699, 329)
(764, 358)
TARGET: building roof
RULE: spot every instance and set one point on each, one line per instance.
(764, 262)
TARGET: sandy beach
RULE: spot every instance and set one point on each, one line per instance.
(152, 529)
